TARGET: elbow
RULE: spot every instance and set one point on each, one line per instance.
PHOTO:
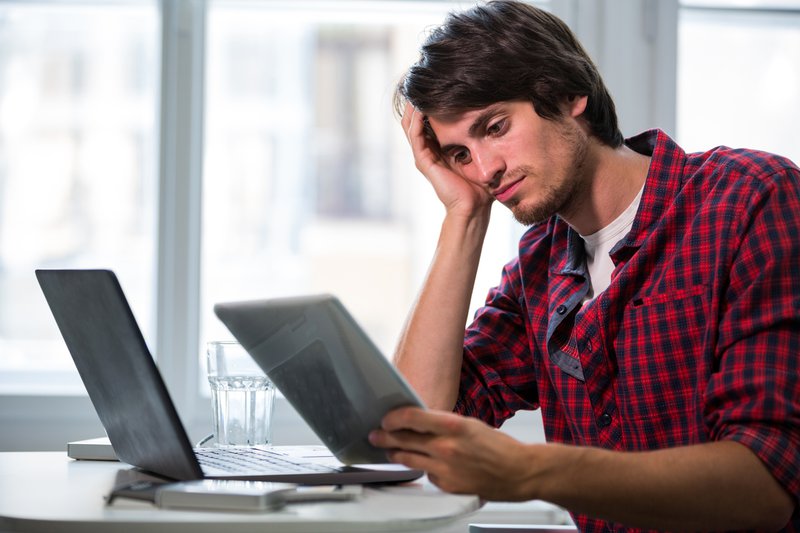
(781, 518)
(775, 514)
(440, 403)
(776, 522)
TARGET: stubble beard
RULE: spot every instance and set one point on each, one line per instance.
(560, 195)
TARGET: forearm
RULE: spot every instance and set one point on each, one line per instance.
(714, 486)
(429, 353)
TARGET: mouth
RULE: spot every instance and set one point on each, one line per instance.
(506, 192)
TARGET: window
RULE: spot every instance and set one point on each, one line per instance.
(308, 182)
(739, 75)
(205, 151)
(78, 159)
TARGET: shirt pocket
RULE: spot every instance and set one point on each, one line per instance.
(662, 363)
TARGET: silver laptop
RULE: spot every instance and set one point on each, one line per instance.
(134, 406)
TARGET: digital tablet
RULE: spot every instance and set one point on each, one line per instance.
(324, 363)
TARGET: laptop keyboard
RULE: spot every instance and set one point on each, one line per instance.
(255, 460)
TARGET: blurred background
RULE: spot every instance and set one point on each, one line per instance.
(212, 150)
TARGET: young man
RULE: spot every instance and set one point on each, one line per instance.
(651, 313)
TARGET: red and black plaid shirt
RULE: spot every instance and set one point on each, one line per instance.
(696, 339)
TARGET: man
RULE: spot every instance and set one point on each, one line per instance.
(652, 311)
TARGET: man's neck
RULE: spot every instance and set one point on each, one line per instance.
(615, 177)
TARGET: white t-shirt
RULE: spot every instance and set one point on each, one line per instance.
(599, 244)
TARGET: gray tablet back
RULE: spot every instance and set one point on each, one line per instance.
(325, 365)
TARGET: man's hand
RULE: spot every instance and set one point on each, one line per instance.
(460, 455)
(457, 194)
(712, 486)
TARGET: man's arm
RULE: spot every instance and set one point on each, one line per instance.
(429, 353)
(430, 349)
(714, 486)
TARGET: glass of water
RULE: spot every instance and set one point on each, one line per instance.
(242, 396)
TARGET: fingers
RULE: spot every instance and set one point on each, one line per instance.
(414, 128)
(409, 114)
(399, 435)
(444, 473)
(433, 467)
(420, 451)
(459, 454)
(429, 433)
(407, 440)
(423, 421)
(438, 473)
(454, 451)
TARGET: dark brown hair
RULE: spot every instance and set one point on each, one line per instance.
(503, 51)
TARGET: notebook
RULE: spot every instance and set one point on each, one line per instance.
(134, 406)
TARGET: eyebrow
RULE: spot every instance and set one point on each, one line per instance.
(478, 125)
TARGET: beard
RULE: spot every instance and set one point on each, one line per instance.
(564, 193)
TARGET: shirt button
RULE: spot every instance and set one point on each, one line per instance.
(588, 346)
(605, 420)
(561, 309)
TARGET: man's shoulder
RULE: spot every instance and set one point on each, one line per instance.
(727, 186)
(711, 165)
(756, 165)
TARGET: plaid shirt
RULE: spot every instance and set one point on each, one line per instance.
(696, 339)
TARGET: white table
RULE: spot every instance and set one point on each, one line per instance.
(47, 492)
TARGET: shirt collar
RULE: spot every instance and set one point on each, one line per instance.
(664, 180)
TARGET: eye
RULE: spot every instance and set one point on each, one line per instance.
(460, 157)
(497, 128)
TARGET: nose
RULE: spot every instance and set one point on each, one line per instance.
(487, 167)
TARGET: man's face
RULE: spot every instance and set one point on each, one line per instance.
(535, 167)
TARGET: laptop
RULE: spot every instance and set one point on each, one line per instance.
(134, 406)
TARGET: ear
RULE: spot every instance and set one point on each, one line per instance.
(576, 105)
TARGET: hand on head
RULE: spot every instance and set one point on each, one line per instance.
(457, 194)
